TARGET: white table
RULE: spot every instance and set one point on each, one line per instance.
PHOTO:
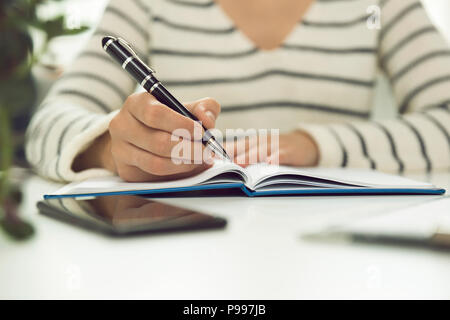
(260, 255)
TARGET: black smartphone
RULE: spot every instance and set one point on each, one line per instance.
(122, 215)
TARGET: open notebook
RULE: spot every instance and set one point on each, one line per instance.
(258, 180)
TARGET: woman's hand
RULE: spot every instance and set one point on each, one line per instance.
(138, 145)
(293, 149)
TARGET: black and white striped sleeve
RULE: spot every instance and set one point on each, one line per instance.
(87, 96)
(416, 59)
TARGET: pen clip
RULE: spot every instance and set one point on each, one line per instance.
(127, 46)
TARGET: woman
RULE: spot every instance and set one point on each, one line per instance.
(306, 67)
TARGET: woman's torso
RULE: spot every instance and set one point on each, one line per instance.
(323, 71)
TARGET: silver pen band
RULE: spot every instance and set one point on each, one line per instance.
(107, 44)
(154, 86)
(145, 80)
(124, 65)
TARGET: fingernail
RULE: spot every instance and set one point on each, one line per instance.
(211, 115)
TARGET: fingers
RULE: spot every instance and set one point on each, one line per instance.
(145, 108)
(151, 142)
(256, 155)
(161, 143)
(241, 145)
(149, 166)
(249, 150)
(132, 173)
(256, 149)
(293, 149)
(149, 111)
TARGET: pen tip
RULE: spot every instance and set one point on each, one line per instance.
(224, 155)
(218, 149)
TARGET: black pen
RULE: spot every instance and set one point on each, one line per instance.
(123, 54)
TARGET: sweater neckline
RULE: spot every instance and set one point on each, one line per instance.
(254, 46)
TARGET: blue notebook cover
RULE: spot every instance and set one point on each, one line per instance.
(186, 191)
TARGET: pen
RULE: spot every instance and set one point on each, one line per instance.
(123, 54)
(437, 239)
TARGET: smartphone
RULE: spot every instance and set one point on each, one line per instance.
(123, 215)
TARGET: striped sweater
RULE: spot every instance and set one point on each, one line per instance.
(321, 80)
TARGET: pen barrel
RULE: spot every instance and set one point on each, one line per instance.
(132, 64)
(117, 52)
(140, 73)
(165, 97)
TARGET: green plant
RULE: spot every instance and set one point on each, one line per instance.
(17, 92)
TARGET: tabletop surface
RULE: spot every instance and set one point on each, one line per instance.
(260, 255)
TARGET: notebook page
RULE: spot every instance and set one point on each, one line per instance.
(365, 178)
(358, 177)
(116, 184)
(261, 171)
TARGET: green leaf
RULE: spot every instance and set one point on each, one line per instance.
(15, 49)
(17, 94)
(56, 27)
(18, 230)
(70, 32)
(6, 155)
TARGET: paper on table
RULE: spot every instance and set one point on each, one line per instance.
(421, 220)
(357, 177)
(116, 184)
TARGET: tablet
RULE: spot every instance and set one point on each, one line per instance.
(127, 215)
